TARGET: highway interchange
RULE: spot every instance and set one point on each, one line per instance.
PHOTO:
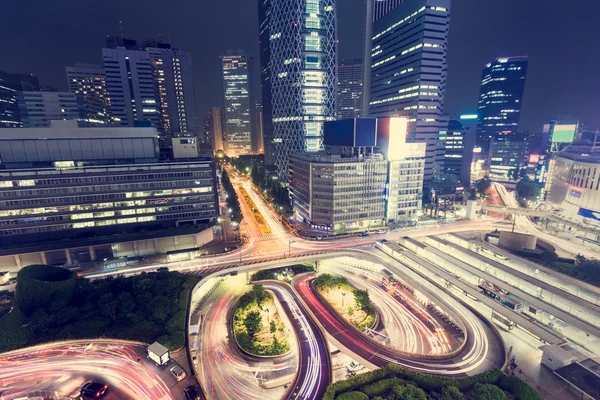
(227, 375)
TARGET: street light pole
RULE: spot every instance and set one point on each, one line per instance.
(290, 247)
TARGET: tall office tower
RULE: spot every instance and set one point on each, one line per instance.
(37, 109)
(89, 82)
(176, 87)
(382, 7)
(350, 89)
(258, 146)
(10, 85)
(408, 72)
(507, 156)
(236, 89)
(298, 68)
(459, 141)
(132, 85)
(213, 129)
(500, 99)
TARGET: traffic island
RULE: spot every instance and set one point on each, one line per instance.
(257, 325)
(352, 304)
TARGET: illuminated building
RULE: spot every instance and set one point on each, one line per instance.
(132, 86)
(500, 99)
(89, 82)
(508, 156)
(408, 72)
(258, 146)
(366, 177)
(10, 85)
(236, 90)
(350, 89)
(213, 129)
(37, 109)
(458, 142)
(79, 194)
(298, 69)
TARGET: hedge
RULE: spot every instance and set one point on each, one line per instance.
(516, 386)
(382, 387)
(43, 287)
(353, 396)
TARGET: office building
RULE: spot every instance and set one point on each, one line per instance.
(408, 72)
(81, 194)
(10, 85)
(508, 156)
(500, 99)
(459, 142)
(366, 177)
(213, 129)
(89, 82)
(573, 185)
(298, 69)
(176, 87)
(382, 7)
(350, 89)
(236, 90)
(258, 146)
(37, 109)
(132, 85)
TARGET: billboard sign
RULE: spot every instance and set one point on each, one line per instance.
(564, 133)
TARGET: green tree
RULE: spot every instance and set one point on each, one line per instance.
(126, 304)
(108, 305)
(40, 321)
(483, 186)
(548, 257)
(528, 190)
(66, 315)
(352, 396)
(260, 294)
(362, 298)
(253, 323)
(488, 392)
(451, 393)
(273, 327)
(409, 392)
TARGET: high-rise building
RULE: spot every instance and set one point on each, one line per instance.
(176, 87)
(408, 72)
(298, 69)
(458, 142)
(508, 156)
(213, 129)
(500, 99)
(382, 7)
(37, 109)
(350, 89)
(89, 82)
(132, 85)
(258, 146)
(236, 90)
(10, 85)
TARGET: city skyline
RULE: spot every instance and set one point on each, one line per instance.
(469, 50)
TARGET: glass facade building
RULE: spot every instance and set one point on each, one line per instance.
(37, 109)
(10, 85)
(350, 89)
(500, 99)
(408, 72)
(508, 155)
(236, 90)
(89, 82)
(298, 69)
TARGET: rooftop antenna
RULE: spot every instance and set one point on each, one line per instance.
(121, 27)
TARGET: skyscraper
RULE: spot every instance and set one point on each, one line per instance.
(37, 109)
(236, 90)
(258, 146)
(298, 69)
(500, 99)
(176, 87)
(408, 72)
(132, 85)
(213, 129)
(89, 82)
(10, 85)
(382, 7)
(350, 89)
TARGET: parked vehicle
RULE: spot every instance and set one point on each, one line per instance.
(178, 373)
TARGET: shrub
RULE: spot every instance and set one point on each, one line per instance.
(40, 286)
(488, 392)
(382, 387)
(519, 388)
(353, 396)
(451, 393)
(409, 392)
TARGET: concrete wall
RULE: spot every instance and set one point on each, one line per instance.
(517, 241)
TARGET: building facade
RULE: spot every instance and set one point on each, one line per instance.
(350, 89)
(298, 68)
(86, 185)
(508, 156)
(382, 7)
(236, 90)
(258, 146)
(408, 72)
(37, 109)
(88, 81)
(366, 177)
(459, 142)
(10, 85)
(500, 99)
(213, 129)
(132, 85)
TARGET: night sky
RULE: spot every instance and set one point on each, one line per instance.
(562, 39)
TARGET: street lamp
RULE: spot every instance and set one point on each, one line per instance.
(343, 297)
(290, 247)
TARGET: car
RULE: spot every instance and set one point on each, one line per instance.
(162, 269)
(364, 234)
(354, 367)
(178, 372)
(193, 392)
(93, 390)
